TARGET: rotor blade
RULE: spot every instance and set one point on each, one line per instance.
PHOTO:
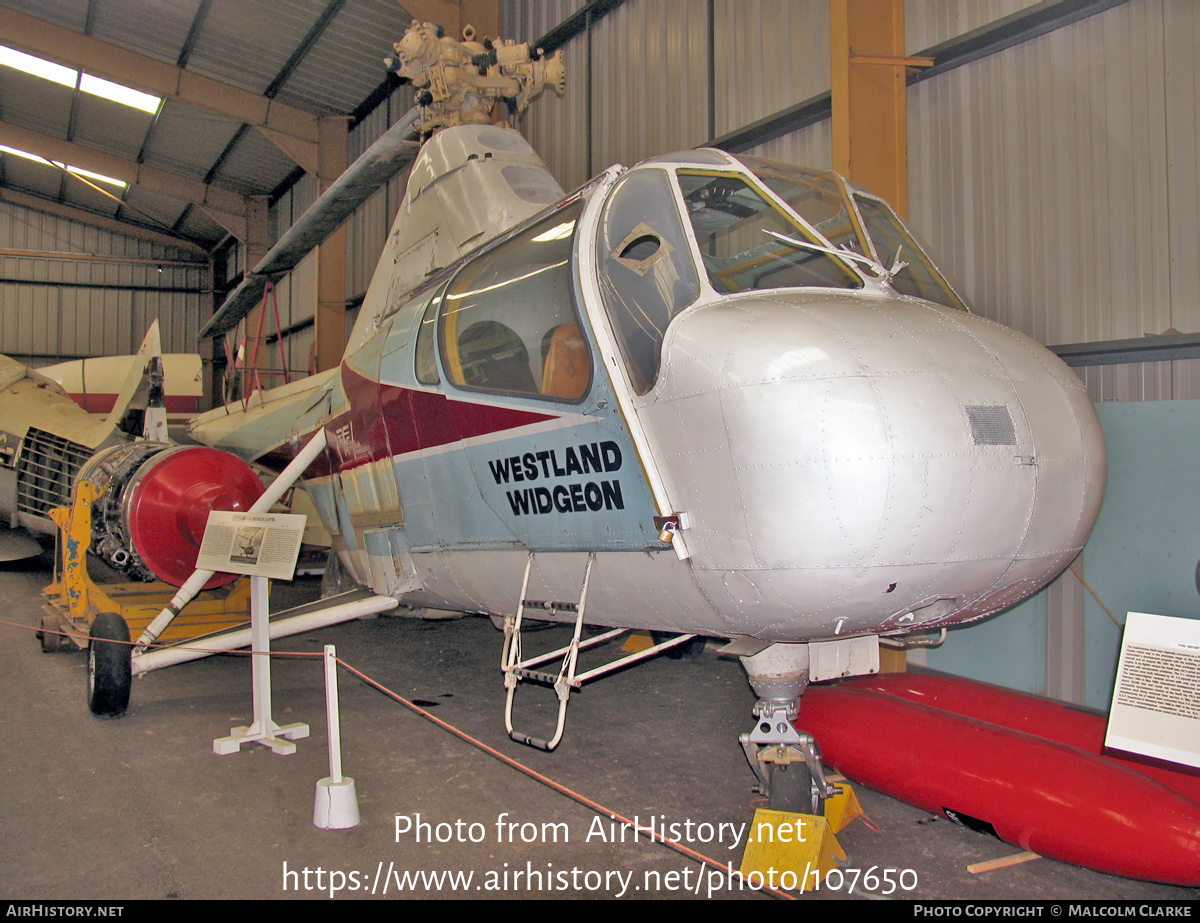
(376, 166)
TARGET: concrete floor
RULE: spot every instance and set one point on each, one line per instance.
(140, 807)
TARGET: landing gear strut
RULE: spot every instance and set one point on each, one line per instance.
(786, 761)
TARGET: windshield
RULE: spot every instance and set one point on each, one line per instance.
(815, 197)
(734, 225)
(919, 278)
(861, 224)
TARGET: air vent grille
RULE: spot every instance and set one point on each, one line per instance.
(992, 425)
(46, 470)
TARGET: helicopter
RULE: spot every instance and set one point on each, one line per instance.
(710, 395)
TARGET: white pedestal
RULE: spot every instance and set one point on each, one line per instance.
(263, 730)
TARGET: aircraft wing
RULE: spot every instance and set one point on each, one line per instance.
(376, 166)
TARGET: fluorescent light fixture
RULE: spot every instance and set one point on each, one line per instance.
(25, 154)
(64, 166)
(90, 175)
(106, 89)
(47, 70)
(68, 77)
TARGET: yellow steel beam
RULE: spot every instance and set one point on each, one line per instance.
(227, 207)
(484, 15)
(292, 129)
(870, 143)
(452, 15)
(440, 12)
(255, 245)
(330, 315)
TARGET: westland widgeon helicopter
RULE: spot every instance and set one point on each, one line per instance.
(709, 395)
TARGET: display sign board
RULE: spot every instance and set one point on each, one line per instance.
(258, 544)
(1156, 699)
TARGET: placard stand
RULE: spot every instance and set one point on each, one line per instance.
(263, 546)
(264, 730)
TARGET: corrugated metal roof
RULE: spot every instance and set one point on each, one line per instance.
(163, 210)
(321, 56)
(187, 140)
(69, 13)
(346, 63)
(158, 32)
(109, 126)
(32, 102)
(255, 166)
(246, 43)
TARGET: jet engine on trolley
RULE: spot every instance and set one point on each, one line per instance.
(154, 499)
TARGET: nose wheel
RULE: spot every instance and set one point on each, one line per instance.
(786, 761)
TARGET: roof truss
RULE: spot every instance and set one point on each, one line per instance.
(226, 207)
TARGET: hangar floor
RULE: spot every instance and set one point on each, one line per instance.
(139, 807)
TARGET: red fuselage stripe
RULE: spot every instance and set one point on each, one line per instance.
(383, 421)
(103, 403)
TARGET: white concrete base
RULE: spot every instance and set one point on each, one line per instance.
(336, 806)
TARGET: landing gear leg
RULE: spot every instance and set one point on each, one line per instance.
(786, 761)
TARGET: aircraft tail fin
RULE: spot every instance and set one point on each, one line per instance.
(141, 408)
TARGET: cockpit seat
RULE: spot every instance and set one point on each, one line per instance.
(567, 368)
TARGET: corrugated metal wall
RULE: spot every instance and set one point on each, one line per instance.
(368, 228)
(296, 293)
(366, 233)
(1058, 182)
(931, 22)
(58, 308)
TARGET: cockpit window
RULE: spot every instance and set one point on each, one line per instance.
(645, 269)
(858, 223)
(509, 322)
(739, 231)
(427, 372)
(918, 278)
(815, 197)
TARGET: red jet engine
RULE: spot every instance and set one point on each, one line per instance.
(149, 519)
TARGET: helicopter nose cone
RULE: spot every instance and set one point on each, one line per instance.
(848, 464)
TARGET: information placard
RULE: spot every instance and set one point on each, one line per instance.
(1156, 698)
(258, 544)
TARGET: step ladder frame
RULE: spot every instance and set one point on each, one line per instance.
(515, 669)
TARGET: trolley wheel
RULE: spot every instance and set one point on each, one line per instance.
(50, 636)
(110, 666)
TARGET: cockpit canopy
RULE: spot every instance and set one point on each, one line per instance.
(678, 226)
(674, 231)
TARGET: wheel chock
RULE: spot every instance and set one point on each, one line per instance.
(637, 642)
(793, 850)
(842, 809)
